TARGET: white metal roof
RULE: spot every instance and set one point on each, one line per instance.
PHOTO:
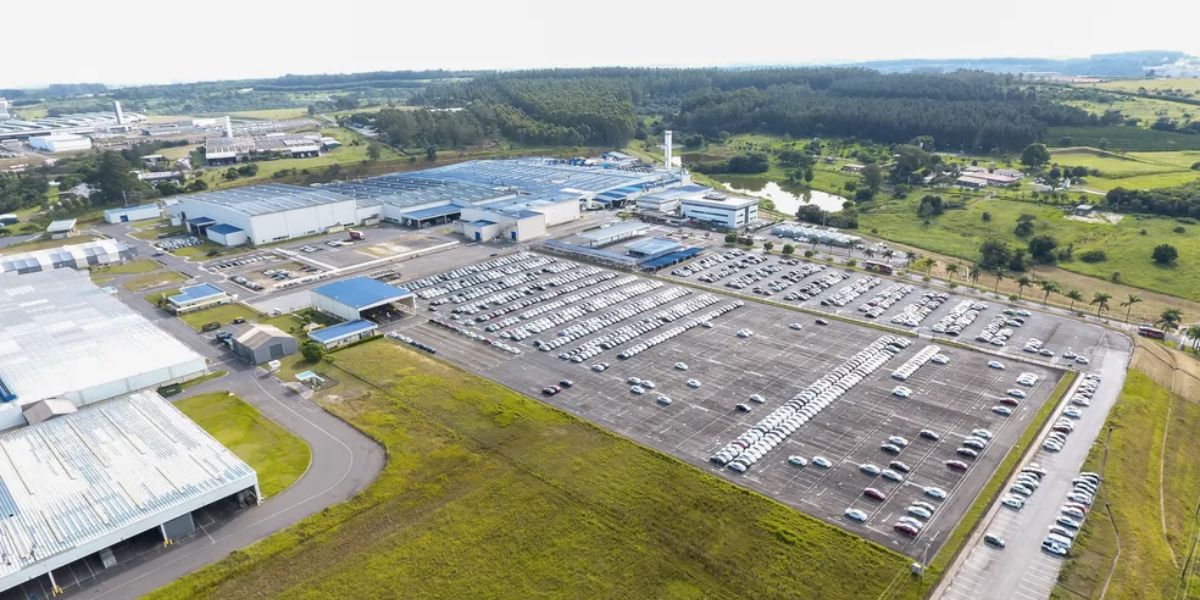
(81, 482)
(61, 336)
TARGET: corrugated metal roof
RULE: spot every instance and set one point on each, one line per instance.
(192, 293)
(61, 226)
(361, 292)
(129, 462)
(269, 198)
(341, 331)
(224, 229)
(61, 335)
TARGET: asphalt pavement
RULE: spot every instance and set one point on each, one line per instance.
(1021, 569)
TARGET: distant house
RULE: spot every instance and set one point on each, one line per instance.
(853, 168)
(1084, 210)
(997, 178)
(971, 182)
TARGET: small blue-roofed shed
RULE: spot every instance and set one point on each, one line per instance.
(196, 297)
(343, 333)
(350, 298)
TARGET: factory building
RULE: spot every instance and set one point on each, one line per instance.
(719, 210)
(75, 256)
(131, 213)
(78, 483)
(361, 298)
(344, 334)
(242, 148)
(60, 142)
(63, 337)
(197, 297)
(82, 123)
(266, 213)
(263, 343)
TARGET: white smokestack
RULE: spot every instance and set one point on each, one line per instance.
(228, 127)
(667, 148)
(117, 109)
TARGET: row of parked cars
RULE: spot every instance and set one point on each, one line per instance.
(815, 287)
(607, 320)
(1072, 514)
(671, 333)
(959, 317)
(440, 284)
(572, 307)
(395, 335)
(602, 281)
(749, 447)
(848, 293)
(918, 360)
(463, 331)
(884, 300)
(176, 243)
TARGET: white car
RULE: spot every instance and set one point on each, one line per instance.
(995, 364)
(663, 400)
(935, 492)
(901, 392)
(940, 359)
(855, 514)
(822, 462)
(679, 366)
(796, 326)
(798, 461)
(637, 389)
(693, 383)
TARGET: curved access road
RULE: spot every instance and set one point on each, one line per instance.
(344, 462)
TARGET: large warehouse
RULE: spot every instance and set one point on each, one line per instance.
(266, 213)
(63, 337)
(357, 297)
(75, 485)
(76, 256)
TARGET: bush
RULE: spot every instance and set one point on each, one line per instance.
(809, 254)
(312, 351)
(731, 238)
(1093, 256)
(1179, 229)
(851, 263)
(1164, 254)
(788, 249)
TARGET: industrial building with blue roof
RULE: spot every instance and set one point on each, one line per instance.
(349, 298)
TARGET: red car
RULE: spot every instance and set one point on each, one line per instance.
(956, 465)
(1008, 401)
(906, 529)
(874, 494)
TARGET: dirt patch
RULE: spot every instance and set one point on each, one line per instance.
(1102, 218)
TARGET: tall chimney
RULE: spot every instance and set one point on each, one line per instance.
(228, 127)
(667, 148)
(117, 109)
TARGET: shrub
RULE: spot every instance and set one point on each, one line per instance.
(312, 351)
(809, 254)
(1093, 256)
(1179, 229)
(1164, 254)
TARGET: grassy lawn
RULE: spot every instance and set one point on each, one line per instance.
(1150, 427)
(1165, 84)
(151, 233)
(1135, 170)
(958, 233)
(150, 280)
(490, 494)
(1126, 138)
(226, 313)
(211, 375)
(155, 297)
(104, 274)
(1146, 109)
(271, 114)
(278, 456)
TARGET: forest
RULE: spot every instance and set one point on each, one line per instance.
(1180, 201)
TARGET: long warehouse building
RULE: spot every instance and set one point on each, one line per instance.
(61, 337)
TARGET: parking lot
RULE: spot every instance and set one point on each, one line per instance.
(706, 353)
(919, 309)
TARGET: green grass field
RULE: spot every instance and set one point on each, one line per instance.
(155, 297)
(278, 457)
(104, 274)
(1147, 110)
(152, 280)
(1166, 84)
(958, 233)
(490, 494)
(1135, 170)
(1150, 426)
(1125, 138)
(226, 313)
(271, 114)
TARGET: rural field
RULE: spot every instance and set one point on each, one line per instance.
(958, 233)
(1134, 170)
(488, 493)
(1166, 84)
(278, 456)
(1125, 138)
(1151, 484)
(1147, 110)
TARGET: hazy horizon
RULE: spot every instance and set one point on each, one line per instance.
(150, 43)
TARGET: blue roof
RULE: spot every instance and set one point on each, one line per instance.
(670, 259)
(482, 222)
(433, 212)
(341, 331)
(201, 221)
(195, 292)
(361, 292)
(654, 246)
(6, 394)
(224, 229)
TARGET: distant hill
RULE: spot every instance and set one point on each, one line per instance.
(1122, 64)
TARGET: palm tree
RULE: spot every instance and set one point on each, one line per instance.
(999, 271)
(1128, 304)
(869, 253)
(1100, 299)
(952, 270)
(1049, 287)
(929, 265)
(909, 257)
(1075, 296)
(1193, 332)
(1169, 319)
(1023, 282)
(889, 253)
(974, 272)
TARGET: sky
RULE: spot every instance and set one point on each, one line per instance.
(123, 42)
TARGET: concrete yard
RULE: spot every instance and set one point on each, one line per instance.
(777, 362)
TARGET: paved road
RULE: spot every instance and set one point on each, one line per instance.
(1021, 570)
